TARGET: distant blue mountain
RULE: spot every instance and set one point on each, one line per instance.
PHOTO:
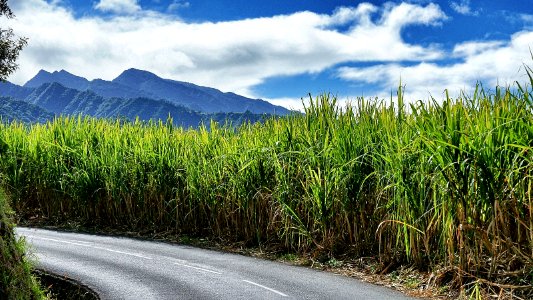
(63, 77)
(8, 89)
(133, 94)
(134, 83)
(61, 100)
(109, 89)
(52, 96)
(196, 97)
(11, 110)
(53, 99)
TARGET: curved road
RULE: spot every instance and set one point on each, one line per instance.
(123, 268)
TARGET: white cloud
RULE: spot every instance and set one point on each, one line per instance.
(492, 63)
(290, 103)
(473, 48)
(178, 4)
(297, 104)
(232, 56)
(118, 6)
(463, 7)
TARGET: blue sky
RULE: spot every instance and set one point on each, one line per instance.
(282, 50)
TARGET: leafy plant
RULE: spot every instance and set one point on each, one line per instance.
(439, 185)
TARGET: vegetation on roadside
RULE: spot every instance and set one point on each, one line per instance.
(16, 281)
(442, 186)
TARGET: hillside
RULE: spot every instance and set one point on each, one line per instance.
(16, 281)
(11, 110)
(8, 89)
(54, 99)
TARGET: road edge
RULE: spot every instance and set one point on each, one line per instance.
(63, 287)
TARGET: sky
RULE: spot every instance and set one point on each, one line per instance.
(282, 50)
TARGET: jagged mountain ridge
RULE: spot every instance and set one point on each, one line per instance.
(134, 83)
(63, 77)
(136, 93)
(196, 97)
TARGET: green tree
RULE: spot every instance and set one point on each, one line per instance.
(10, 45)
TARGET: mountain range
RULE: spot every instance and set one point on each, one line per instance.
(11, 110)
(133, 94)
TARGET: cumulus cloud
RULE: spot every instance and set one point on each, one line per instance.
(492, 63)
(118, 6)
(232, 56)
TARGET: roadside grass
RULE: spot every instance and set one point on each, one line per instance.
(442, 187)
(16, 280)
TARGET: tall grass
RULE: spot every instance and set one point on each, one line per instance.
(445, 185)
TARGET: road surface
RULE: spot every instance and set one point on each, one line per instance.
(123, 268)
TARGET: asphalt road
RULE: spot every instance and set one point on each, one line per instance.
(123, 268)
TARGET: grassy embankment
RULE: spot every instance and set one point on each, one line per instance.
(16, 281)
(444, 186)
